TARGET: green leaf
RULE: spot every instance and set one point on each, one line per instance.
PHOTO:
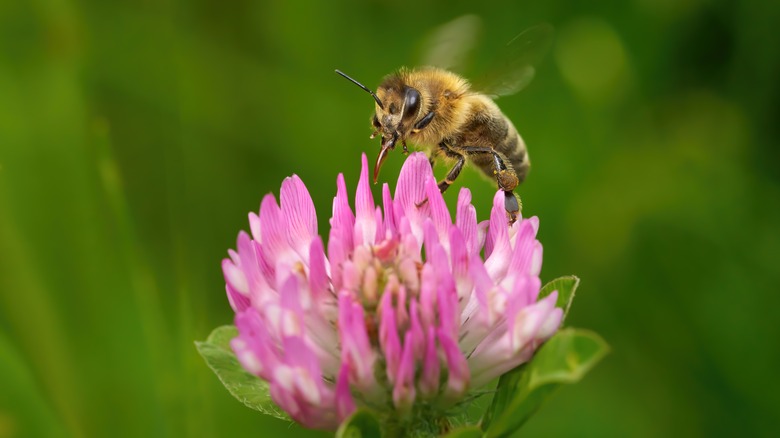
(505, 390)
(566, 286)
(565, 358)
(245, 387)
(361, 424)
(466, 432)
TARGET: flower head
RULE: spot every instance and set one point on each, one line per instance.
(405, 309)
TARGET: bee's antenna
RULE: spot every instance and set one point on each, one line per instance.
(378, 102)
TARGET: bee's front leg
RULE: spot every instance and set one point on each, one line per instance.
(423, 122)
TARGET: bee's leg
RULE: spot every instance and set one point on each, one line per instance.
(455, 171)
(507, 179)
(423, 122)
(511, 205)
(452, 174)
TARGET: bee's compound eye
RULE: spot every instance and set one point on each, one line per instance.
(411, 104)
(375, 122)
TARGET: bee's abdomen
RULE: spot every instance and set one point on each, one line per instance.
(513, 148)
(487, 126)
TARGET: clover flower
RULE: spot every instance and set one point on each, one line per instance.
(405, 311)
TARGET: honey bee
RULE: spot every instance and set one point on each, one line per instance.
(438, 110)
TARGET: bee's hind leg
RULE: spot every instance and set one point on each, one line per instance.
(506, 178)
(512, 205)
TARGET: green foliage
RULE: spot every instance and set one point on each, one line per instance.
(465, 432)
(246, 388)
(564, 359)
(566, 286)
(361, 424)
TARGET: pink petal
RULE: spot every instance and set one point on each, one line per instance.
(429, 383)
(410, 194)
(292, 303)
(254, 346)
(380, 225)
(527, 254)
(514, 343)
(459, 254)
(407, 269)
(275, 246)
(302, 379)
(416, 330)
(411, 243)
(345, 405)
(483, 286)
(525, 326)
(266, 271)
(482, 240)
(342, 227)
(437, 209)
(523, 293)
(234, 276)
(388, 336)
(337, 255)
(355, 346)
(365, 219)
(403, 390)
(466, 221)
(497, 262)
(478, 316)
(259, 289)
(282, 393)
(370, 287)
(387, 250)
(254, 226)
(428, 289)
(299, 215)
(238, 302)
(401, 313)
(534, 223)
(457, 367)
(387, 204)
(318, 275)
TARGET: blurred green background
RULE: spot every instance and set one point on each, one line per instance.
(136, 136)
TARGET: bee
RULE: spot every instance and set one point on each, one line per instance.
(437, 109)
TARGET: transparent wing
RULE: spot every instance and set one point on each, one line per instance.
(514, 65)
(449, 45)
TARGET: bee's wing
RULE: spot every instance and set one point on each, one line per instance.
(514, 68)
(449, 45)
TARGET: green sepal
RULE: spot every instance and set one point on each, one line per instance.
(566, 286)
(465, 432)
(245, 387)
(565, 358)
(361, 424)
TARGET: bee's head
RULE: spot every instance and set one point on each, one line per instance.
(399, 110)
(397, 107)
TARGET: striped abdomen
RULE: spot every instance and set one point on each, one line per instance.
(489, 127)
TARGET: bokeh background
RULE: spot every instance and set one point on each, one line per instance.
(136, 136)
